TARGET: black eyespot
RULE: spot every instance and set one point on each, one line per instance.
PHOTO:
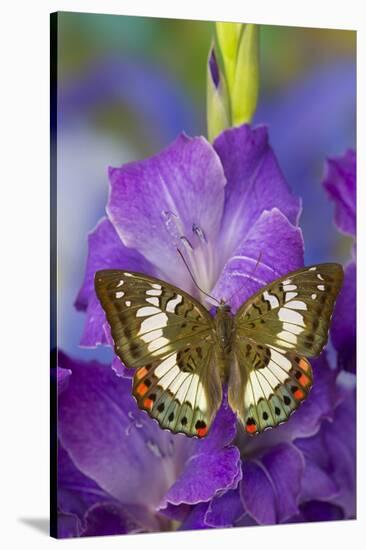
(161, 407)
(286, 400)
(277, 411)
(265, 415)
(171, 417)
(184, 421)
(250, 421)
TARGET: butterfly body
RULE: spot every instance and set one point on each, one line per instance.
(183, 356)
(224, 322)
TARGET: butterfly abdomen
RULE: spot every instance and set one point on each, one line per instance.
(224, 322)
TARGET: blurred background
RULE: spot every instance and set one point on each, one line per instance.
(127, 86)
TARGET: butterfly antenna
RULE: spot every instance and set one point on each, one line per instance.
(193, 279)
(252, 273)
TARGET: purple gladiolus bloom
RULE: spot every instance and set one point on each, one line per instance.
(340, 184)
(225, 206)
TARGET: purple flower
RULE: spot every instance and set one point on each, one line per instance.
(340, 184)
(118, 471)
(225, 206)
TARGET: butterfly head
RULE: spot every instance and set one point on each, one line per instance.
(223, 307)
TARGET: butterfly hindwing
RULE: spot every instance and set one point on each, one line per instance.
(167, 336)
(174, 393)
(276, 329)
(274, 385)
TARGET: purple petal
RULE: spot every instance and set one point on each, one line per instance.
(111, 518)
(156, 201)
(225, 509)
(108, 519)
(257, 493)
(340, 184)
(255, 182)
(61, 376)
(68, 525)
(196, 518)
(119, 368)
(95, 320)
(320, 511)
(76, 492)
(106, 251)
(114, 443)
(275, 244)
(271, 485)
(285, 467)
(316, 483)
(204, 475)
(331, 454)
(340, 442)
(177, 513)
(343, 329)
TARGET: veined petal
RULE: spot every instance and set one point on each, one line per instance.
(343, 329)
(106, 251)
(224, 509)
(275, 244)
(112, 442)
(340, 184)
(255, 183)
(271, 484)
(204, 475)
(177, 193)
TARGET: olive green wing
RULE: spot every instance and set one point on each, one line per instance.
(168, 337)
(275, 330)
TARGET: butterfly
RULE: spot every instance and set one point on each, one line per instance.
(182, 355)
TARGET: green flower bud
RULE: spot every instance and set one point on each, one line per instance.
(232, 77)
(217, 107)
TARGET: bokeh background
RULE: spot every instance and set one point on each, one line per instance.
(127, 86)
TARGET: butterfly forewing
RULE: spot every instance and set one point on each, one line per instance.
(283, 322)
(293, 313)
(168, 337)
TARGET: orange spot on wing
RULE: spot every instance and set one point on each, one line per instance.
(304, 380)
(201, 432)
(148, 403)
(304, 365)
(299, 394)
(251, 428)
(141, 373)
(141, 389)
